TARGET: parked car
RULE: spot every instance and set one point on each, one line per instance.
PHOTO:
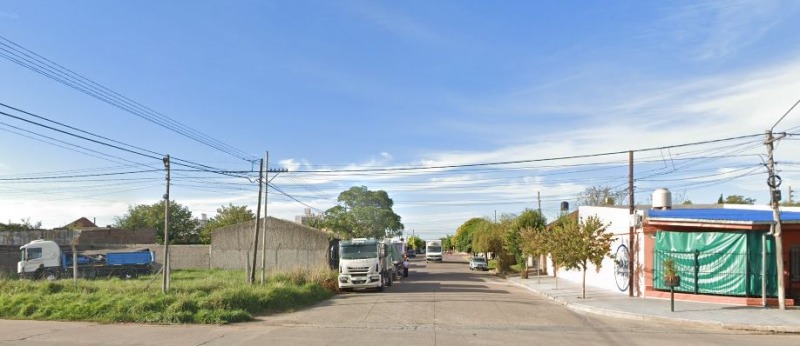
(411, 253)
(478, 263)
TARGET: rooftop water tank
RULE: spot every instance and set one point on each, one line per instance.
(662, 199)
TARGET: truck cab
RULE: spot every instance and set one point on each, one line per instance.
(39, 259)
(363, 263)
(433, 251)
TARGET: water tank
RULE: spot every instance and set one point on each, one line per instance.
(564, 206)
(662, 199)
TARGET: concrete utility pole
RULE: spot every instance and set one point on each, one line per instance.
(252, 277)
(267, 180)
(774, 181)
(264, 238)
(539, 200)
(165, 270)
(631, 231)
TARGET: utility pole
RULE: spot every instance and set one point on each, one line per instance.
(264, 238)
(165, 269)
(267, 180)
(252, 277)
(539, 200)
(774, 181)
(631, 231)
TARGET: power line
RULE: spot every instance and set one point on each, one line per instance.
(499, 163)
(46, 67)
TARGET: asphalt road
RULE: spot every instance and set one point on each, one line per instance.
(438, 304)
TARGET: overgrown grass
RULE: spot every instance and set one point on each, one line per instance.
(195, 296)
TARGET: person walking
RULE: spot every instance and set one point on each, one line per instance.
(405, 266)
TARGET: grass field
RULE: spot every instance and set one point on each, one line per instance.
(195, 296)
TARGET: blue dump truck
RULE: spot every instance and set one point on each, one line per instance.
(43, 259)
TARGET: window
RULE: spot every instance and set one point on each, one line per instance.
(34, 253)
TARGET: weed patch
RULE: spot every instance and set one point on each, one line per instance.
(195, 296)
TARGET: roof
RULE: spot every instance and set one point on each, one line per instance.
(736, 216)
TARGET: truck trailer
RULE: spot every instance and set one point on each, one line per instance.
(43, 259)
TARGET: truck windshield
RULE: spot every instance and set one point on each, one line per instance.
(434, 249)
(358, 251)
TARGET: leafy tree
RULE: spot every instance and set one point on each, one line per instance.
(738, 199)
(529, 218)
(23, 225)
(463, 237)
(530, 227)
(182, 226)
(364, 213)
(226, 216)
(601, 195)
(447, 242)
(720, 200)
(489, 238)
(415, 242)
(576, 244)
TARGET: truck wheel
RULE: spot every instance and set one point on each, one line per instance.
(47, 274)
(127, 275)
(382, 284)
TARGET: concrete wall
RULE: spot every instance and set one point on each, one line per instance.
(289, 246)
(609, 276)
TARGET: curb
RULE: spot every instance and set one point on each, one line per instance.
(644, 317)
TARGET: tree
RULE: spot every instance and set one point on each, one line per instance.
(531, 225)
(489, 238)
(415, 242)
(738, 199)
(226, 216)
(463, 237)
(601, 195)
(577, 244)
(23, 225)
(529, 218)
(182, 226)
(447, 242)
(364, 213)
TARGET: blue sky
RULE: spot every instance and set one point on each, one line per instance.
(379, 84)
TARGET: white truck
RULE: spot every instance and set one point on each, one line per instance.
(363, 263)
(433, 250)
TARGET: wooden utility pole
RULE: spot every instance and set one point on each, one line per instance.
(774, 181)
(252, 277)
(165, 270)
(631, 231)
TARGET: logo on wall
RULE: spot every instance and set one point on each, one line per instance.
(622, 267)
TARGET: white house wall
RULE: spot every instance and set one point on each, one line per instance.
(606, 277)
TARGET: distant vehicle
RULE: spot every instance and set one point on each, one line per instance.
(478, 263)
(433, 250)
(411, 253)
(43, 259)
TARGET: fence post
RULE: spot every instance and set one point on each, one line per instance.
(696, 271)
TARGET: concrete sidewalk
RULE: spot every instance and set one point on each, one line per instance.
(615, 304)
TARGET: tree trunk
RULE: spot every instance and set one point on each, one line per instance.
(583, 292)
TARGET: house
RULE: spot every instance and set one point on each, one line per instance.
(722, 254)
